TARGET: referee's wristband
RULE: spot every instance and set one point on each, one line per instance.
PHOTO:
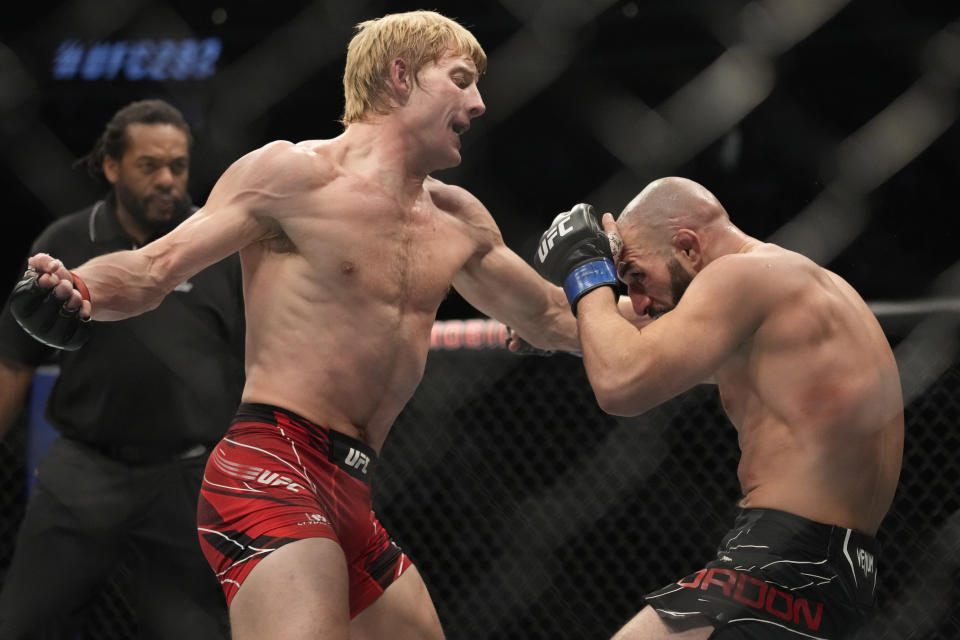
(587, 277)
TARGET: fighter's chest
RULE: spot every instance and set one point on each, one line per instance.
(372, 243)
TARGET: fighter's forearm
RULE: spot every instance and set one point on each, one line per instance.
(500, 284)
(558, 326)
(122, 284)
(620, 374)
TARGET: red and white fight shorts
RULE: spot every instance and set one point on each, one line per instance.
(276, 478)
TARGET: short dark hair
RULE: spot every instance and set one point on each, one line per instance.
(113, 141)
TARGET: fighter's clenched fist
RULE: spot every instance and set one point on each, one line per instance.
(52, 304)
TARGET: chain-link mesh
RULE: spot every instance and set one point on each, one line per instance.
(109, 616)
(13, 487)
(532, 514)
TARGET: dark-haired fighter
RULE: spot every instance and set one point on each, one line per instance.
(806, 376)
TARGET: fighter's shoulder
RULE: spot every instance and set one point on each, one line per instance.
(457, 201)
(756, 263)
(766, 275)
(282, 159)
(449, 197)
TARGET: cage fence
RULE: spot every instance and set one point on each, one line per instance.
(532, 514)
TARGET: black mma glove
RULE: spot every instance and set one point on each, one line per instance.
(43, 316)
(574, 253)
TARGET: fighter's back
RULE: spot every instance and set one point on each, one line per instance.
(816, 398)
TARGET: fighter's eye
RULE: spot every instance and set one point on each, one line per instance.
(628, 275)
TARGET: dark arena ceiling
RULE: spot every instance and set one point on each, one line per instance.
(829, 126)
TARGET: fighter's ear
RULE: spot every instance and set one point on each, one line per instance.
(686, 244)
(401, 82)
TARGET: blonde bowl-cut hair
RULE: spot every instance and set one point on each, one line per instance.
(418, 37)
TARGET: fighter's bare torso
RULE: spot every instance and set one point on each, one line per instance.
(342, 292)
(822, 440)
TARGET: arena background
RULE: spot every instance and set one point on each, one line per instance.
(829, 126)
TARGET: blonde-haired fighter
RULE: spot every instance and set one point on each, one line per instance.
(348, 247)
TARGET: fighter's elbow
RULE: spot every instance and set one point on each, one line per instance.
(158, 286)
(163, 273)
(617, 405)
(613, 398)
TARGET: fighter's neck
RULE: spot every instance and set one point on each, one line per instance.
(727, 240)
(387, 154)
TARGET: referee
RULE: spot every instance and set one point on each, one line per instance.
(136, 415)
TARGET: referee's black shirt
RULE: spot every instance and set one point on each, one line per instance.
(167, 379)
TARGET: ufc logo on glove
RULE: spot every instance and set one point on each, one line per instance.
(562, 228)
(574, 253)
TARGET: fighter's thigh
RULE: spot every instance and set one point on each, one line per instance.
(648, 625)
(299, 591)
(404, 611)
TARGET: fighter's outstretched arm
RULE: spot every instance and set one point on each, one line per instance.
(502, 285)
(125, 283)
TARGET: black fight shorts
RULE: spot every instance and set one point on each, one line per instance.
(777, 575)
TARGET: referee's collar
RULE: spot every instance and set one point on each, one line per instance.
(104, 226)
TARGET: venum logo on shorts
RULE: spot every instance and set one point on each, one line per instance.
(357, 460)
(865, 560)
(757, 594)
(314, 518)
